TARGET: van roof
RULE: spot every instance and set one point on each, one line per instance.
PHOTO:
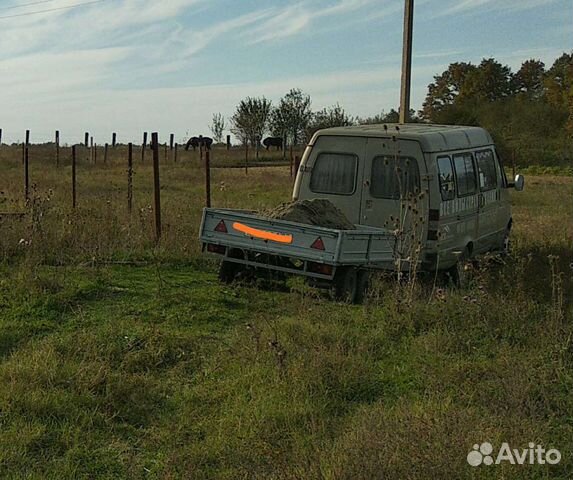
(432, 137)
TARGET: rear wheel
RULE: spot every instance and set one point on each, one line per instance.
(346, 284)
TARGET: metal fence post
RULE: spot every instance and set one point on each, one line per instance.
(129, 176)
(156, 186)
(207, 178)
(73, 176)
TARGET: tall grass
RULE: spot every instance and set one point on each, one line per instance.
(158, 371)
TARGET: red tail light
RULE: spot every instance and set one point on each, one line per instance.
(220, 249)
(320, 268)
(318, 244)
(221, 227)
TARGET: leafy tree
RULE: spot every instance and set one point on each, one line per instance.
(334, 116)
(217, 127)
(528, 81)
(393, 116)
(445, 89)
(559, 80)
(529, 114)
(489, 81)
(292, 116)
(251, 119)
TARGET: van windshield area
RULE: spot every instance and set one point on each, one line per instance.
(394, 177)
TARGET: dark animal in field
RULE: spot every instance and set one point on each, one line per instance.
(199, 142)
(273, 142)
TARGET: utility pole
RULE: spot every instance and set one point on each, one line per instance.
(406, 61)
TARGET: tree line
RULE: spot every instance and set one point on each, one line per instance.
(529, 113)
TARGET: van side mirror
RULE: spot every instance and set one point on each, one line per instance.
(519, 183)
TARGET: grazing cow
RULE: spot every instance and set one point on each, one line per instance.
(273, 142)
(199, 141)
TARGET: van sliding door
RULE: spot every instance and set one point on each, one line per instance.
(466, 206)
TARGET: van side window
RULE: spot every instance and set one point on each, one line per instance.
(465, 174)
(499, 162)
(486, 169)
(394, 177)
(446, 175)
(334, 173)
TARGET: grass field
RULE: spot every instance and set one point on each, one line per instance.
(125, 360)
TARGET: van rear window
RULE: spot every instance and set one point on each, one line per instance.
(394, 177)
(334, 173)
(465, 174)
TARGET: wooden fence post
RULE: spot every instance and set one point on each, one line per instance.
(95, 153)
(73, 176)
(247, 157)
(57, 144)
(165, 152)
(92, 149)
(143, 146)
(129, 177)
(113, 139)
(171, 140)
(207, 178)
(296, 165)
(0, 137)
(105, 153)
(25, 146)
(228, 142)
(156, 186)
(175, 153)
(86, 138)
(26, 176)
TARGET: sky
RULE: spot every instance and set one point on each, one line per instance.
(131, 66)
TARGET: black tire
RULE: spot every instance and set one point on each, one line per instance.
(228, 271)
(506, 244)
(460, 274)
(346, 284)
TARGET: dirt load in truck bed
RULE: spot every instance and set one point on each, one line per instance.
(319, 212)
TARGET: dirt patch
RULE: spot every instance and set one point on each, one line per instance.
(319, 212)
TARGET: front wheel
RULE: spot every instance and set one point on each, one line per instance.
(506, 244)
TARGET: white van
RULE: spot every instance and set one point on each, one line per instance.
(442, 187)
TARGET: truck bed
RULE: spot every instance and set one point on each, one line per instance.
(246, 231)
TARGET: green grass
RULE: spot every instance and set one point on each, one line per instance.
(145, 372)
(158, 371)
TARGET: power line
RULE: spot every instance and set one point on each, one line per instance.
(52, 9)
(22, 5)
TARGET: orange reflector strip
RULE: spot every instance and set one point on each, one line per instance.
(263, 234)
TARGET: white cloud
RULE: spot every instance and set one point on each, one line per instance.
(472, 6)
(294, 19)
